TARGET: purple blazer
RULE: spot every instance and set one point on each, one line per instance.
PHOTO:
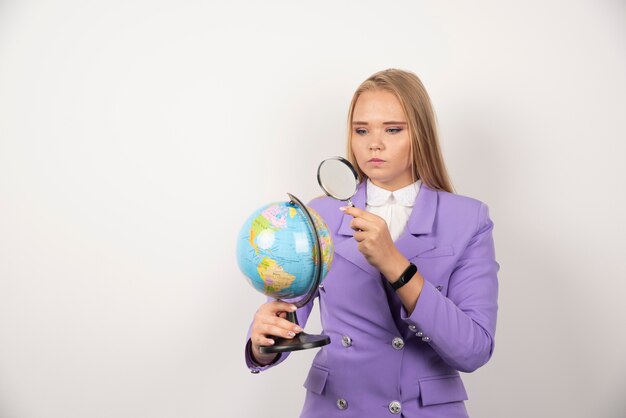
(381, 361)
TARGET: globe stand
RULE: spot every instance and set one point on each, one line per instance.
(302, 341)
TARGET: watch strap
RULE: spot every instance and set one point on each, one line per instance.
(405, 277)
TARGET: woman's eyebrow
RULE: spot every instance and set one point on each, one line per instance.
(357, 122)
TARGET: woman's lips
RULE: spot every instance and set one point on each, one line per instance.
(376, 161)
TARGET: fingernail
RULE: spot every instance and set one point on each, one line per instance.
(298, 329)
(293, 307)
(271, 342)
(291, 334)
(342, 208)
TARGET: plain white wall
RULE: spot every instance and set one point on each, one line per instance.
(136, 136)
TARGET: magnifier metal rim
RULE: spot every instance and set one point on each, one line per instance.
(347, 164)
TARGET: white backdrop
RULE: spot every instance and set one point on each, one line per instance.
(136, 136)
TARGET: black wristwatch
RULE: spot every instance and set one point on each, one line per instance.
(405, 277)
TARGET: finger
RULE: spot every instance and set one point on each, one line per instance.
(360, 236)
(277, 331)
(262, 323)
(262, 340)
(283, 323)
(359, 213)
(352, 210)
(276, 307)
(360, 224)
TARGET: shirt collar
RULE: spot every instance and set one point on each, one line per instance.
(377, 196)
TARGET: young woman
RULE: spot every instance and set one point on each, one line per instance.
(411, 296)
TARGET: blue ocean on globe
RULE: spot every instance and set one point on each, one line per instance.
(276, 250)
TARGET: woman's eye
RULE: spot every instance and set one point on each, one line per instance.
(360, 131)
(394, 130)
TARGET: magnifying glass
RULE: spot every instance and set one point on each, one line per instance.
(338, 178)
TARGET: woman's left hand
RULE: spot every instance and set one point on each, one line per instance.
(374, 241)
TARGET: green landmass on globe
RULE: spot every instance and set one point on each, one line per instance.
(276, 250)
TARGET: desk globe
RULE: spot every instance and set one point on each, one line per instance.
(278, 251)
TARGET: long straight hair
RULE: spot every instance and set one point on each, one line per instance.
(426, 158)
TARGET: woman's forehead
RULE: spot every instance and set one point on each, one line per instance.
(379, 99)
(378, 106)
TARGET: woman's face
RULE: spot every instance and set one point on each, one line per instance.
(380, 139)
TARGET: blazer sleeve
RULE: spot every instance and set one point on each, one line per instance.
(461, 327)
(302, 314)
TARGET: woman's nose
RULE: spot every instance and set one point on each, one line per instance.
(376, 141)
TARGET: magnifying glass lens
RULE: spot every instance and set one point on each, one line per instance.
(338, 178)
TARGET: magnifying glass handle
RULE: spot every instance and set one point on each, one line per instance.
(352, 204)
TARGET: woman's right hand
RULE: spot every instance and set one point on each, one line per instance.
(269, 321)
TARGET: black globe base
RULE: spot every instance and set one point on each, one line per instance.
(302, 341)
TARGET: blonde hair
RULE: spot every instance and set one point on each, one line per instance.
(426, 158)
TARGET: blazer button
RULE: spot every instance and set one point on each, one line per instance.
(395, 407)
(342, 404)
(425, 338)
(439, 288)
(397, 343)
(346, 341)
(412, 328)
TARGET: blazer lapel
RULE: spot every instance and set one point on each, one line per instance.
(417, 237)
(409, 244)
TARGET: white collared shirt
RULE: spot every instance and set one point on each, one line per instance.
(394, 207)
